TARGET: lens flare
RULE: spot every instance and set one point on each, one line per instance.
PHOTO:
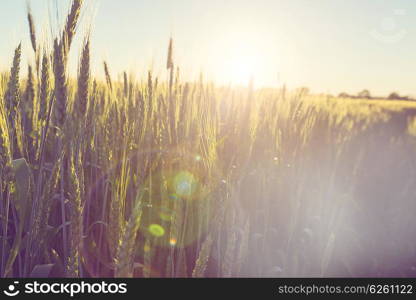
(184, 184)
(146, 248)
(173, 197)
(165, 214)
(172, 242)
(156, 230)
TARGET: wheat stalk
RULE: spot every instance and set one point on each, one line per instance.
(125, 255)
(75, 218)
(44, 94)
(83, 82)
(12, 96)
(61, 84)
(71, 22)
(32, 31)
(108, 76)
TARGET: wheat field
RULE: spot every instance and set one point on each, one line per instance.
(154, 178)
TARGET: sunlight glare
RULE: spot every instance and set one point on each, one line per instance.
(243, 62)
(242, 57)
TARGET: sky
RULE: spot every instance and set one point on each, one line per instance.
(330, 46)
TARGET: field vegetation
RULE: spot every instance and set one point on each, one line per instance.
(122, 178)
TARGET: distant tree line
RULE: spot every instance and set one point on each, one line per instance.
(365, 94)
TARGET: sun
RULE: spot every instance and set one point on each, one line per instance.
(243, 62)
(242, 68)
(241, 59)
